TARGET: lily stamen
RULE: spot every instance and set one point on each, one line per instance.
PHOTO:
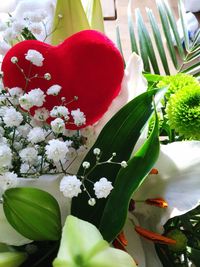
(158, 202)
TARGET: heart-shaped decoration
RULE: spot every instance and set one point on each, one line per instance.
(87, 65)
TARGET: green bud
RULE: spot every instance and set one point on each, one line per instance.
(181, 240)
(12, 259)
(33, 213)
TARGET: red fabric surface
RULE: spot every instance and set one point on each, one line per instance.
(87, 65)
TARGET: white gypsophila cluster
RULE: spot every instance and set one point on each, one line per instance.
(35, 28)
(36, 135)
(12, 118)
(29, 155)
(5, 156)
(8, 180)
(57, 150)
(70, 186)
(60, 111)
(78, 117)
(35, 97)
(41, 114)
(102, 188)
(23, 130)
(15, 93)
(54, 90)
(35, 57)
(58, 126)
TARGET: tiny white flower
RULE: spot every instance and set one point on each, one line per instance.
(26, 168)
(38, 16)
(14, 60)
(54, 90)
(9, 34)
(15, 93)
(12, 118)
(18, 26)
(86, 165)
(70, 186)
(124, 164)
(56, 150)
(35, 57)
(24, 130)
(8, 180)
(37, 97)
(5, 156)
(78, 117)
(58, 126)
(60, 111)
(47, 76)
(29, 154)
(102, 188)
(36, 135)
(25, 102)
(41, 114)
(96, 151)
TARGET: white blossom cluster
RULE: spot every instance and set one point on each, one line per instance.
(15, 28)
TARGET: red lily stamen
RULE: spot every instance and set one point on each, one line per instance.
(158, 202)
(157, 238)
(122, 239)
(117, 244)
(154, 171)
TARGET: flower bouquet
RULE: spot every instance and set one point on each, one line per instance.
(99, 165)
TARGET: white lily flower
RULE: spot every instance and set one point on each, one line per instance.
(177, 182)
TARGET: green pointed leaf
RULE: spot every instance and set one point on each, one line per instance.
(12, 259)
(119, 43)
(73, 20)
(158, 40)
(173, 25)
(166, 29)
(192, 69)
(194, 255)
(33, 213)
(119, 135)
(147, 41)
(193, 56)
(182, 14)
(127, 182)
(134, 47)
(95, 15)
(196, 38)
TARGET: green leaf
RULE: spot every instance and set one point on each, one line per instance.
(95, 15)
(182, 14)
(127, 182)
(33, 213)
(173, 25)
(134, 47)
(192, 69)
(196, 38)
(158, 40)
(143, 49)
(119, 43)
(194, 255)
(12, 259)
(166, 29)
(73, 20)
(119, 135)
(147, 41)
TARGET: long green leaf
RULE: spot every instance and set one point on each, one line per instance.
(119, 135)
(143, 49)
(182, 14)
(119, 43)
(134, 47)
(158, 40)
(166, 29)
(194, 255)
(147, 41)
(173, 25)
(193, 56)
(196, 38)
(192, 69)
(127, 182)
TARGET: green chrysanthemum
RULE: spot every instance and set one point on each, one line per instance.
(183, 112)
(177, 82)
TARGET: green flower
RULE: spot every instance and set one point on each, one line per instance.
(183, 112)
(176, 82)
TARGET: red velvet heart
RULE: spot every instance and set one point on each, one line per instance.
(87, 65)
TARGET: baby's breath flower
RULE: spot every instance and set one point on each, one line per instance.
(183, 112)
(86, 165)
(70, 186)
(36, 135)
(58, 126)
(25, 102)
(57, 150)
(47, 76)
(5, 156)
(37, 97)
(41, 114)
(96, 151)
(35, 57)
(92, 201)
(35, 28)
(54, 90)
(102, 188)
(14, 60)
(124, 164)
(78, 117)
(12, 118)
(60, 111)
(176, 82)
(28, 154)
